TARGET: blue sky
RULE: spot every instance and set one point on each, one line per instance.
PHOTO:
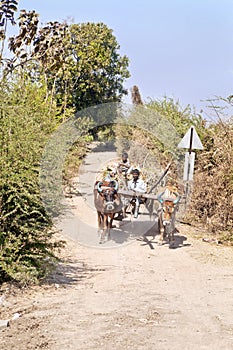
(178, 48)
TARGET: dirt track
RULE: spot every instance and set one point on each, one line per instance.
(128, 297)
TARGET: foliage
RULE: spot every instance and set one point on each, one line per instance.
(212, 200)
(181, 118)
(7, 12)
(75, 156)
(153, 132)
(25, 228)
(98, 71)
(52, 72)
(80, 63)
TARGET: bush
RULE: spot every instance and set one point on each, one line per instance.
(212, 201)
(25, 229)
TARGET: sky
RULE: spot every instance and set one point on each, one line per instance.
(177, 48)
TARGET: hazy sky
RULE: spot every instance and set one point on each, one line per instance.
(178, 48)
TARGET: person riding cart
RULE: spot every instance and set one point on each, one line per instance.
(137, 185)
(124, 166)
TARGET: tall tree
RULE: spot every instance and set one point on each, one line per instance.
(98, 69)
(80, 63)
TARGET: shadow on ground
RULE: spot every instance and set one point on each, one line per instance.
(105, 147)
(70, 272)
(151, 238)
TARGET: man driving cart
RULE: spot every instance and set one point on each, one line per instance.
(137, 185)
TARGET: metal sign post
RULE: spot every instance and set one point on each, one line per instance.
(190, 141)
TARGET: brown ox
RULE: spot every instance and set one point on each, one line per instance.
(166, 219)
(107, 203)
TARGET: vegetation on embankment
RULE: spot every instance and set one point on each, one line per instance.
(46, 77)
(212, 200)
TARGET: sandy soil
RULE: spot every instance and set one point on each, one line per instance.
(129, 296)
(132, 297)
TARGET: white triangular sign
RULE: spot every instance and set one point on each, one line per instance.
(186, 140)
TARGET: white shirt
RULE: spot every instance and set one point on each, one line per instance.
(125, 167)
(138, 186)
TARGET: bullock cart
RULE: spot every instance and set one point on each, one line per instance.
(114, 197)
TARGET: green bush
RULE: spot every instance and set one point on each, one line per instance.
(26, 122)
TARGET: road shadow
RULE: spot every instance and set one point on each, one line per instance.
(70, 272)
(105, 147)
(130, 229)
(151, 238)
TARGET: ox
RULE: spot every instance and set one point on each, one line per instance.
(107, 203)
(166, 218)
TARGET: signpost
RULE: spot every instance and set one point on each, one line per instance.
(190, 141)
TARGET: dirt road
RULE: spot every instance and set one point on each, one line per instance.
(127, 296)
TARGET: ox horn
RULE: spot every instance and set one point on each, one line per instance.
(160, 199)
(115, 185)
(99, 186)
(176, 200)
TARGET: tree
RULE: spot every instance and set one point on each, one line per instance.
(80, 63)
(98, 71)
(7, 11)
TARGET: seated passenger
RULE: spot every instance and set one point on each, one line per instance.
(124, 166)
